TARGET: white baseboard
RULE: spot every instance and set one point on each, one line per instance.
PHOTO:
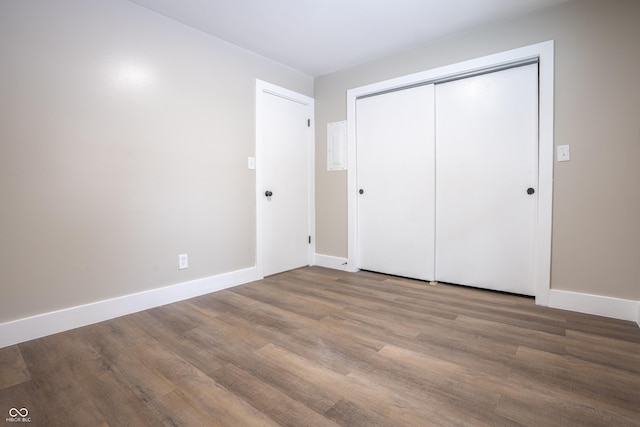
(616, 308)
(41, 325)
(329, 261)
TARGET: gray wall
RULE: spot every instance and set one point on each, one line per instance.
(124, 139)
(596, 225)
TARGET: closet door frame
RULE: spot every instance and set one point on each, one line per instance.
(540, 52)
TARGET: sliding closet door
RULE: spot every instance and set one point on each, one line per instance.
(486, 200)
(395, 175)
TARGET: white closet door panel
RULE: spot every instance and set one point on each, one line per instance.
(486, 156)
(395, 172)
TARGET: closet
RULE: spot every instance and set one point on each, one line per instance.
(396, 182)
(447, 175)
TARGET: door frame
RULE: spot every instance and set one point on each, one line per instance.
(543, 53)
(267, 89)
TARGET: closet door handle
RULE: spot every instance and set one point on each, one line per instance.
(530, 191)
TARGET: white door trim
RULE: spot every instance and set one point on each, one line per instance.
(543, 52)
(263, 88)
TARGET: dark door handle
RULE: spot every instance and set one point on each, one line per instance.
(530, 191)
(361, 191)
(268, 193)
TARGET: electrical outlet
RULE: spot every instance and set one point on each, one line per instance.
(183, 261)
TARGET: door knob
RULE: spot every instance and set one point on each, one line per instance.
(361, 191)
(268, 193)
(530, 191)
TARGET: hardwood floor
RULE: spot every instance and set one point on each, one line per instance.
(318, 347)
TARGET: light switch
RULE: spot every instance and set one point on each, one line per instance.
(251, 162)
(563, 153)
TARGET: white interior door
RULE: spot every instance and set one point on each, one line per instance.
(395, 176)
(487, 159)
(285, 155)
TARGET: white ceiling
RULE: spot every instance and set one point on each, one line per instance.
(317, 37)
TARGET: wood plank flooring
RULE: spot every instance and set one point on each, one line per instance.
(318, 347)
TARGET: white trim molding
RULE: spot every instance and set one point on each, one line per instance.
(328, 261)
(544, 54)
(598, 305)
(21, 330)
